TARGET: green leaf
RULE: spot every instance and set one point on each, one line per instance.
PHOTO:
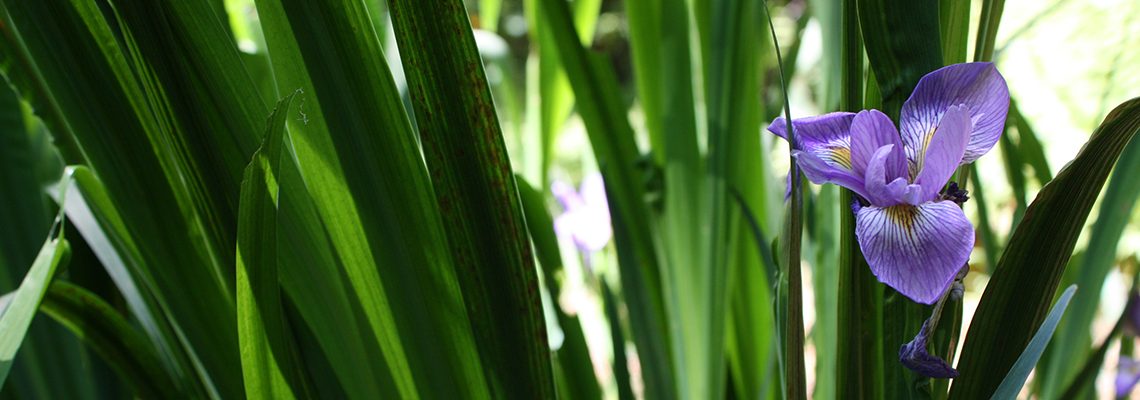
(1073, 338)
(954, 18)
(612, 140)
(621, 366)
(18, 312)
(360, 161)
(902, 39)
(94, 216)
(1015, 379)
(476, 192)
(52, 363)
(1028, 273)
(268, 367)
(108, 333)
(153, 110)
(790, 289)
(1029, 146)
(987, 29)
(1093, 363)
(737, 53)
(574, 373)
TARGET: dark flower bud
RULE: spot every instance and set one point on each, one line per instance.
(914, 356)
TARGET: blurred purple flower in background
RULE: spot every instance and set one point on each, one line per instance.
(1127, 374)
(586, 215)
(914, 237)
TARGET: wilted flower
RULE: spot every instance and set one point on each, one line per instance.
(914, 356)
(1127, 374)
(915, 238)
(586, 215)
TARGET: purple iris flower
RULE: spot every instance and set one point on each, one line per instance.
(1127, 374)
(915, 238)
(586, 215)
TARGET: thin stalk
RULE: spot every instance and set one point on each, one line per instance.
(794, 376)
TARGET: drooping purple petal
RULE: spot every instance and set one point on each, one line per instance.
(913, 355)
(915, 249)
(871, 130)
(826, 137)
(818, 131)
(1127, 375)
(977, 85)
(944, 153)
(820, 172)
(883, 190)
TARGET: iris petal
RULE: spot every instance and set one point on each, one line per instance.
(871, 130)
(881, 193)
(816, 132)
(979, 86)
(944, 153)
(827, 138)
(819, 172)
(917, 250)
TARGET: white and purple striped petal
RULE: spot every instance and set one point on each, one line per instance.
(820, 172)
(827, 136)
(817, 131)
(978, 86)
(915, 249)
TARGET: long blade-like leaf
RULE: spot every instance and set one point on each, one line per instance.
(106, 331)
(266, 352)
(1015, 379)
(1018, 294)
(576, 371)
(18, 313)
(1073, 337)
(612, 140)
(475, 189)
(358, 157)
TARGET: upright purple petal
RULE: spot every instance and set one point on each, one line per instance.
(820, 172)
(917, 250)
(883, 189)
(977, 85)
(944, 153)
(1127, 375)
(871, 130)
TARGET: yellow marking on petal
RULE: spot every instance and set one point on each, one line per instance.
(840, 156)
(903, 215)
(921, 156)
